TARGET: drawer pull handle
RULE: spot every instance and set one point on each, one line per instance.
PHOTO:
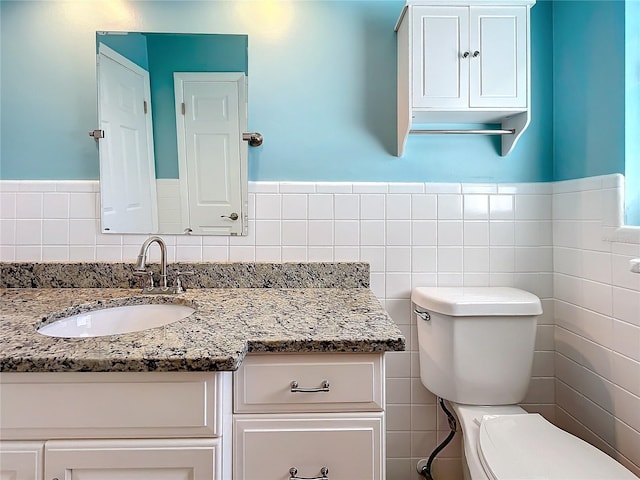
(293, 474)
(323, 388)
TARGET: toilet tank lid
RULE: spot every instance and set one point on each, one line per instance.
(477, 301)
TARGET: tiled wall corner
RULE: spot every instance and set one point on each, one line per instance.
(597, 319)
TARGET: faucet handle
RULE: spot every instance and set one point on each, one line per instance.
(178, 288)
(149, 274)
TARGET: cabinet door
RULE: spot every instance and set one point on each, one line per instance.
(440, 38)
(131, 459)
(21, 460)
(498, 60)
(269, 447)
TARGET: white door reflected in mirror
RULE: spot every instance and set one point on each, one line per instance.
(210, 118)
(127, 166)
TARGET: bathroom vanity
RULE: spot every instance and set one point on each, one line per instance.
(258, 383)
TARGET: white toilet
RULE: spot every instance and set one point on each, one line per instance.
(476, 351)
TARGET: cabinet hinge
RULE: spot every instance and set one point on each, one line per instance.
(144, 106)
(184, 108)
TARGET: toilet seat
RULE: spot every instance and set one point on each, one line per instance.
(527, 447)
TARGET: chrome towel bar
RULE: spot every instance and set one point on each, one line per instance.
(511, 131)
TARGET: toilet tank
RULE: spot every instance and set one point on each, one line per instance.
(477, 346)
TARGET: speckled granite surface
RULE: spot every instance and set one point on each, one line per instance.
(206, 275)
(227, 324)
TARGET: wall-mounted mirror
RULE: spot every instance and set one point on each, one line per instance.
(172, 109)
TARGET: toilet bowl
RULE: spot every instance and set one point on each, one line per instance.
(476, 348)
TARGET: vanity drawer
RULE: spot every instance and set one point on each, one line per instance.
(111, 405)
(267, 448)
(325, 383)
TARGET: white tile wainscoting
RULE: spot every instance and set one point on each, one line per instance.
(597, 317)
(523, 235)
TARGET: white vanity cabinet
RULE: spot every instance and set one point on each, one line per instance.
(464, 62)
(309, 416)
(93, 426)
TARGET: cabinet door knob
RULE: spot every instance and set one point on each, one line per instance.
(465, 55)
(293, 474)
(476, 54)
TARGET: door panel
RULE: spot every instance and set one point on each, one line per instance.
(440, 37)
(209, 150)
(127, 169)
(498, 73)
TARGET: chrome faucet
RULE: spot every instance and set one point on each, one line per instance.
(142, 263)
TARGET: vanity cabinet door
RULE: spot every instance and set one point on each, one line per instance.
(278, 447)
(21, 460)
(132, 459)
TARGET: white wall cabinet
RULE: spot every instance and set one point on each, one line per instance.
(297, 416)
(133, 426)
(464, 63)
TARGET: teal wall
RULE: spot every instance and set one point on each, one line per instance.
(589, 86)
(321, 90)
(131, 45)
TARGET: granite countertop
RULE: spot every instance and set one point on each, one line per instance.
(228, 323)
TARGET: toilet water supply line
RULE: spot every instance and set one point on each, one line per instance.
(425, 471)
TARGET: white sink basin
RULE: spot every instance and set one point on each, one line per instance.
(111, 321)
